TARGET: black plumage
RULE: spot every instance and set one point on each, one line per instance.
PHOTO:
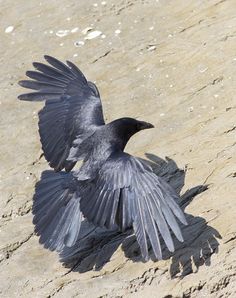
(111, 189)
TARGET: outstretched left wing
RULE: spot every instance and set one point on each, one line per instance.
(72, 110)
(126, 192)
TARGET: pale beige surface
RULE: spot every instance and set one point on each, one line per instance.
(173, 64)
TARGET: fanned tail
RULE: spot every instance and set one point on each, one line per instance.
(56, 209)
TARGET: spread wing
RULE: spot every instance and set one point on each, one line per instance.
(127, 192)
(72, 110)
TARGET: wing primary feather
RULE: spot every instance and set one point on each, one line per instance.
(59, 65)
(152, 230)
(42, 77)
(155, 196)
(174, 206)
(77, 71)
(150, 224)
(139, 227)
(40, 96)
(42, 86)
(48, 70)
(171, 221)
(162, 225)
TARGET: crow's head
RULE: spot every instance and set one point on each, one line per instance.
(126, 127)
(132, 125)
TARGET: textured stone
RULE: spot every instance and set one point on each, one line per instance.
(173, 63)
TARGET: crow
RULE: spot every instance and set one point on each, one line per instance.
(112, 188)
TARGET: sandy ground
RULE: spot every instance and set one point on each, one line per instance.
(172, 63)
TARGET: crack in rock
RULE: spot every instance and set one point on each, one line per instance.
(222, 283)
(191, 26)
(102, 56)
(7, 251)
(214, 82)
(60, 287)
(21, 211)
(231, 129)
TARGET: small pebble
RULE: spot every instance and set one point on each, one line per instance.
(190, 109)
(62, 33)
(202, 69)
(9, 29)
(79, 43)
(86, 30)
(151, 48)
(93, 34)
(74, 30)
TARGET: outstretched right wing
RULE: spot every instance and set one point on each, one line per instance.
(72, 111)
(126, 192)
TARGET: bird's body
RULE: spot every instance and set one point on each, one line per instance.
(111, 188)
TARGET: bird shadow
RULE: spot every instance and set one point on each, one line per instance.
(96, 246)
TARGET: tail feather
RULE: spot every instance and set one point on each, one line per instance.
(56, 209)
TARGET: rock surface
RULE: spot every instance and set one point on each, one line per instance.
(172, 63)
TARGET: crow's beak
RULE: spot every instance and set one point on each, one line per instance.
(145, 125)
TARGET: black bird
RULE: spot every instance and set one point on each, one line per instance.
(111, 188)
